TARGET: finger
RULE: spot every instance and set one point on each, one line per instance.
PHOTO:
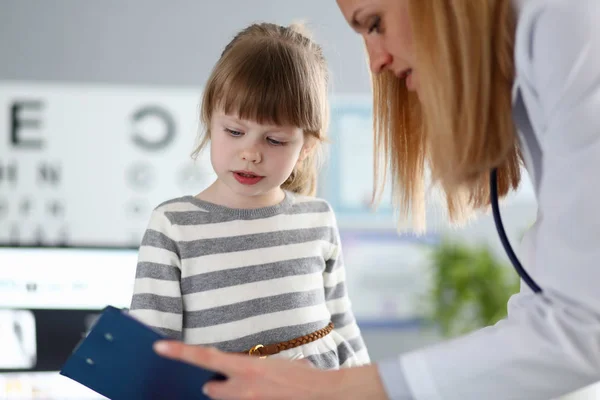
(204, 357)
(229, 390)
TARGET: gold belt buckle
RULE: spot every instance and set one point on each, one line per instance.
(255, 350)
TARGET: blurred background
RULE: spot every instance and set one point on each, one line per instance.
(99, 114)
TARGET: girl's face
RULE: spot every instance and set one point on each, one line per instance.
(253, 160)
(385, 28)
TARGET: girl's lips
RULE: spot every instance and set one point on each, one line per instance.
(247, 178)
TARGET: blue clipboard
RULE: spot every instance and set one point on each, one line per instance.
(116, 359)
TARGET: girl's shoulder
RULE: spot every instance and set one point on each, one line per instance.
(312, 203)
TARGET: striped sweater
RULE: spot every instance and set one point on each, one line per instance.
(234, 278)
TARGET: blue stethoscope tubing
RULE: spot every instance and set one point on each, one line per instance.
(502, 233)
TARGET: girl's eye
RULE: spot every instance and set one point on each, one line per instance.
(375, 25)
(233, 133)
(274, 142)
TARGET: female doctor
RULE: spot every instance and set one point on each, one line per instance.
(469, 86)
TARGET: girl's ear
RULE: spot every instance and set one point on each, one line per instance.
(309, 146)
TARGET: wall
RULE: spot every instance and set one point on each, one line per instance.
(156, 42)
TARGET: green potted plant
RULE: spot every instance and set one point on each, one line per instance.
(469, 289)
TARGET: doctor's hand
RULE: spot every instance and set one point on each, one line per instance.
(269, 379)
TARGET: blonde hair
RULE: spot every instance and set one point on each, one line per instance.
(273, 74)
(461, 124)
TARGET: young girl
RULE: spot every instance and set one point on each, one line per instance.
(253, 264)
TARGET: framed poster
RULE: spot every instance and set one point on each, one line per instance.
(349, 178)
(86, 164)
(387, 275)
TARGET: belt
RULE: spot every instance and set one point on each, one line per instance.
(262, 351)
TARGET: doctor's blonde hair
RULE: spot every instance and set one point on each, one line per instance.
(278, 75)
(461, 124)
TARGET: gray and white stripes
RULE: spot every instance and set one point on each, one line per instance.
(233, 278)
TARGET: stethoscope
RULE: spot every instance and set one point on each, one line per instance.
(503, 238)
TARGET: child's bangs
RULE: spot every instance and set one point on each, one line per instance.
(270, 86)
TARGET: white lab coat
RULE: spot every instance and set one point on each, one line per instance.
(550, 344)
